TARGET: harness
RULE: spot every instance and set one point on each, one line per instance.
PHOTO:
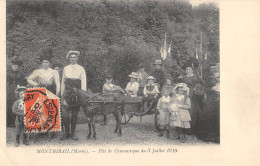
(102, 99)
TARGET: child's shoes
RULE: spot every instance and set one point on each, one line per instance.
(17, 140)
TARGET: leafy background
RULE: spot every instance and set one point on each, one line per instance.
(112, 36)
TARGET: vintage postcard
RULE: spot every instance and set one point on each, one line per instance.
(147, 81)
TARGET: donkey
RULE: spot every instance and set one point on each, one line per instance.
(96, 104)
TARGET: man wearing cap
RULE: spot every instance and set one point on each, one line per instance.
(132, 87)
(74, 76)
(158, 73)
(14, 77)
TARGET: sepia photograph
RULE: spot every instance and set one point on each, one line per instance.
(122, 72)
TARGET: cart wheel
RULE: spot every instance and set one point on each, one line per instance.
(126, 118)
(156, 120)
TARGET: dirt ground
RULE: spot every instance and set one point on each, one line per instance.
(134, 133)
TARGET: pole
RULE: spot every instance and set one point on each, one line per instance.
(200, 54)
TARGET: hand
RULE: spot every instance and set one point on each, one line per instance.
(57, 93)
(65, 103)
(180, 77)
(84, 90)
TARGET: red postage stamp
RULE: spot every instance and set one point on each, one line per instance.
(42, 111)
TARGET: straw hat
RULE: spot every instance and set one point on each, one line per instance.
(150, 78)
(183, 85)
(72, 52)
(133, 75)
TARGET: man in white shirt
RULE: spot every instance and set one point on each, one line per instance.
(74, 76)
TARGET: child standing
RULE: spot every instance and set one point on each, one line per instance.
(18, 110)
(163, 107)
(168, 85)
(180, 116)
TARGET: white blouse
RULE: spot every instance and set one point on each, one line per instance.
(74, 72)
(45, 77)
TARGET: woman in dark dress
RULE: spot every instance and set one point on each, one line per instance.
(14, 77)
(210, 129)
(193, 81)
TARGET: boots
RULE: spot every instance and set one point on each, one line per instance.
(161, 131)
(167, 132)
(73, 127)
(17, 140)
(66, 132)
(183, 136)
(175, 133)
(25, 142)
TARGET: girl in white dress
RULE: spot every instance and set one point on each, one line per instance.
(180, 115)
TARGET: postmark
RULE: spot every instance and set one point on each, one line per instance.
(42, 111)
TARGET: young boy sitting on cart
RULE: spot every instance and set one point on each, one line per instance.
(109, 88)
(133, 86)
(151, 91)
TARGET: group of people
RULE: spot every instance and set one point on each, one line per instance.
(175, 103)
(53, 80)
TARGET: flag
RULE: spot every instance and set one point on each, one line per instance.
(169, 49)
(206, 55)
(197, 57)
(164, 50)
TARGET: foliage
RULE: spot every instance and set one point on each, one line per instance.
(112, 36)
